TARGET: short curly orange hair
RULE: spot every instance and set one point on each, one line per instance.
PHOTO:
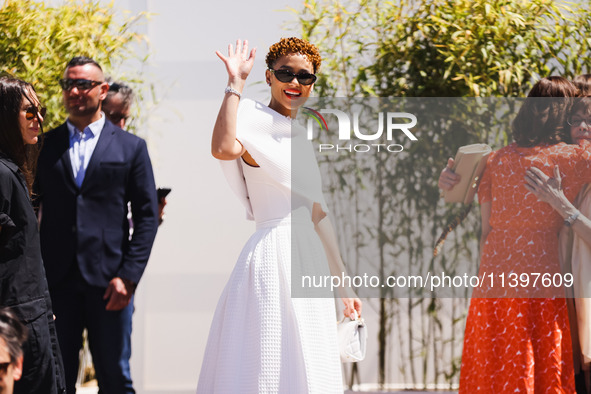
(294, 45)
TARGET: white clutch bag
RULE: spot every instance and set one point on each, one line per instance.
(352, 339)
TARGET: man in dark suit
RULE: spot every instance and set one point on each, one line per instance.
(88, 172)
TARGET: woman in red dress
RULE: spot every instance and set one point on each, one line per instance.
(517, 339)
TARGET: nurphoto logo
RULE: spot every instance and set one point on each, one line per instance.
(393, 124)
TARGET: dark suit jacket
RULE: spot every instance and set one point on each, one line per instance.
(89, 225)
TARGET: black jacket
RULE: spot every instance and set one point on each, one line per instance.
(23, 286)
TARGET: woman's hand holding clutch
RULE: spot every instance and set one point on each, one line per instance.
(448, 178)
(352, 305)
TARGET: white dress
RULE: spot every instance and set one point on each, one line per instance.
(261, 339)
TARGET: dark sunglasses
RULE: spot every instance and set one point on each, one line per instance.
(288, 76)
(80, 84)
(32, 111)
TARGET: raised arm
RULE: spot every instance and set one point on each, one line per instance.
(224, 145)
(549, 190)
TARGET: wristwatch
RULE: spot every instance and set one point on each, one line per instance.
(568, 222)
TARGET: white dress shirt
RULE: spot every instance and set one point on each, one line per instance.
(82, 144)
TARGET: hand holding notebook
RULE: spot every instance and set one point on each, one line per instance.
(469, 163)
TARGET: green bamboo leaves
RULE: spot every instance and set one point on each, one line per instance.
(37, 40)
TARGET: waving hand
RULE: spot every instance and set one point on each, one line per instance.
(238, 63)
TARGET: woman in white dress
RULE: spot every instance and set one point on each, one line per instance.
(262, 340)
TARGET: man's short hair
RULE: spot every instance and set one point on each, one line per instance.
(120, 88)
(81, 61)
(13, 332)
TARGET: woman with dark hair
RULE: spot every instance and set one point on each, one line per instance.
(519, 341)
(262, 338)
(23, 286)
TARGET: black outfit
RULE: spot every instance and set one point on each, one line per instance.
(23, 286)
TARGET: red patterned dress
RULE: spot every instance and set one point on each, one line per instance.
(518, 342)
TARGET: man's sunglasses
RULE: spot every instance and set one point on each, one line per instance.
(80, 84)
(287, 76)
(32, 111)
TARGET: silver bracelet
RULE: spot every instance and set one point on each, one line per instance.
(568, 222)
(233, 91)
